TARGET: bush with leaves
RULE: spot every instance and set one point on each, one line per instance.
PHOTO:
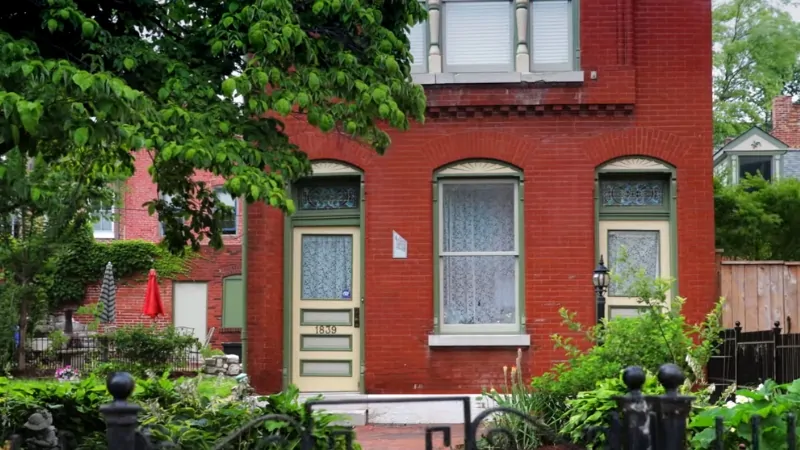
(660, 334)
(175, 412)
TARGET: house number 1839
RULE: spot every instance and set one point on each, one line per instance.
(326, 329)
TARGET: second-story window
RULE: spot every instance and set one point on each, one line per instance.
(478, 36)
(229, 221)
(551, 41)
(103, 226)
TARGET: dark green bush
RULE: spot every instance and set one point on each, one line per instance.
(175, 412)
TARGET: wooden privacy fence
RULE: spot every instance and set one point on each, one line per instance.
(760, 293)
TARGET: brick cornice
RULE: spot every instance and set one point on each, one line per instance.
(470, 111)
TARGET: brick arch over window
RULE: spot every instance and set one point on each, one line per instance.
(478, 145)
(652, 143)
(337, 148)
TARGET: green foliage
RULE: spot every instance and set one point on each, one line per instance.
(202, 86)
(83, 262)
(139, 348)
(516, 394)
(756, 219)
(756, 49)
(772, 402)
(180, 412)
(659, 335)
(592, 409)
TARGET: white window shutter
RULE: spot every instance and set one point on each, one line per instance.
(551, 43)
(477, 36)
(418, 48)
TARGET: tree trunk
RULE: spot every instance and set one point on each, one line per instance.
(23, 331)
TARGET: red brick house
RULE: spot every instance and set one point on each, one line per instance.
(557, 131)
(210, 296)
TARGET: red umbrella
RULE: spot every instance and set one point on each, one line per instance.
(152, 297)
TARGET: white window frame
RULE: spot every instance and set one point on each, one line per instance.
(104, 234)
(564, 67)
(221, 190)
(478, 68)
(422, 66)
(511, 328)
(774, 165)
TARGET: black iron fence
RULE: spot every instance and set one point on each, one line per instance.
(750, 358)
(639, 423)
(43, 356)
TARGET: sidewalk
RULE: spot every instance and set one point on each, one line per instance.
(406, 437)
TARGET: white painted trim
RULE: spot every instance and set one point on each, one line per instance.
(332, 168)
(102, 234)
(572, 76)
(629, 164)
(443, 412)
(479, 340)
(478, 168)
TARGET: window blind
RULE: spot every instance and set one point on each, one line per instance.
(418, 48)
(552, 30)
(477, 36)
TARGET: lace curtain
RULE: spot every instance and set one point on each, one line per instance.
(327, 266)
(641, 252)
(478, 289)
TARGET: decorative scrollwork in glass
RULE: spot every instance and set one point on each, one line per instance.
(632, 193)
(326, 198)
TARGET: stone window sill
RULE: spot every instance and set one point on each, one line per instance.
(479, 340)
(495, 78)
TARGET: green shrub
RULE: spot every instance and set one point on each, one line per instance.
(659, 335)
(175, 412)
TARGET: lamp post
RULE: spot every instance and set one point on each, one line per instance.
(601, 279)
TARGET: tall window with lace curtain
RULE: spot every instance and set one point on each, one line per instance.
(479, 254)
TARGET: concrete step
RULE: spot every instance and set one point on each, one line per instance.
(350, 418)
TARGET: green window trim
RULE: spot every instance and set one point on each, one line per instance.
(479, 171)
(232, 302)
(668, 214)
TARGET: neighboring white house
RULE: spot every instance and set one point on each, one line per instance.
(756, 151)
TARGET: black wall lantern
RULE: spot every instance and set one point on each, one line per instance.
(601, 279)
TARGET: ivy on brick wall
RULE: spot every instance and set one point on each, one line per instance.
(83, 261)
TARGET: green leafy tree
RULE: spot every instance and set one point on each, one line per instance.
(202, 85)
(42, 205)
(757, 220)
(756, 49)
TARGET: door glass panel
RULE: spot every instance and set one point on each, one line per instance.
(628, 253)
(327, 267)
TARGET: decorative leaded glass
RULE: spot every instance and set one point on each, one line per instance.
(326, 198)
(630, 252)
(632, 192)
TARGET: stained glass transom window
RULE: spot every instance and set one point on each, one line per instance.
(633, 192)
(630, 252)
(326, 198)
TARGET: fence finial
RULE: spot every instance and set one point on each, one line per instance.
(671, 377)
(121, 416)
(634, 378)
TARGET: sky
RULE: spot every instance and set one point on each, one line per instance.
(794, 10)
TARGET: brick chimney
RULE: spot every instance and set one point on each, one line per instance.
(786, 120)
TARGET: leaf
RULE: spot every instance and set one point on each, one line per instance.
(83, 79)
(52, 25)
(87, 28)
(2, 171)
(36, 194)
(29, 115)
(81, 136)
(229, 86)
(129, 63)
(216, 48)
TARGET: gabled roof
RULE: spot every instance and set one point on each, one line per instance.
(752, 132)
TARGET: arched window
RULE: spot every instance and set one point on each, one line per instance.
(635, 202)
(479, 248)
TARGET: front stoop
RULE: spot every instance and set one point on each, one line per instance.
(354, 415)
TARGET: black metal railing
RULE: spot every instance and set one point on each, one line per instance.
(640, 422)
(85, 354)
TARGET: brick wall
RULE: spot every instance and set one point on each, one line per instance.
(210, 266)
(786, 121)
(655, 57)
